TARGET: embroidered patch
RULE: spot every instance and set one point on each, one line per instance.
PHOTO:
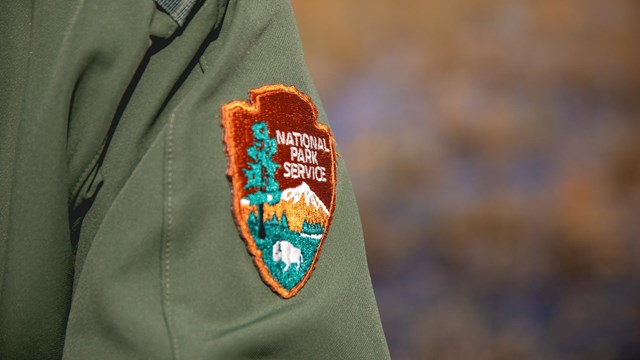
(283, 173)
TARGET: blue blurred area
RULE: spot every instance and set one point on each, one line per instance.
(494, 150)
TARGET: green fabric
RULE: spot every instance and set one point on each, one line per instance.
(117, 240)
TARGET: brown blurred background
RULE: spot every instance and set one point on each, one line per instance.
(494, 147)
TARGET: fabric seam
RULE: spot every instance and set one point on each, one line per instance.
(166, 248)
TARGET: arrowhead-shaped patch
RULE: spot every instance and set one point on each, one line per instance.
(282, 170)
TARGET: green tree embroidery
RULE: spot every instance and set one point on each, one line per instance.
(261, 172)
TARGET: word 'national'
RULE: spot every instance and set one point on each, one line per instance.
(292, 138)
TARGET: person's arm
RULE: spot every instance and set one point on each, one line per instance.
(161, 253)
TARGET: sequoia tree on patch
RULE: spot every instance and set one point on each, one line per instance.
(261, 173)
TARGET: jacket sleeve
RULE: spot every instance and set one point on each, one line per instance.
(152, 262)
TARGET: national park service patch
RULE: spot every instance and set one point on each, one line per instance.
(282, 169)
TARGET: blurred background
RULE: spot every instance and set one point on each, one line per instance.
(494, 147)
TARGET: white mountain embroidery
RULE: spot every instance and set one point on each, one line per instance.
(293, 195)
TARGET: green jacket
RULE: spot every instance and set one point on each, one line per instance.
(118, 238)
